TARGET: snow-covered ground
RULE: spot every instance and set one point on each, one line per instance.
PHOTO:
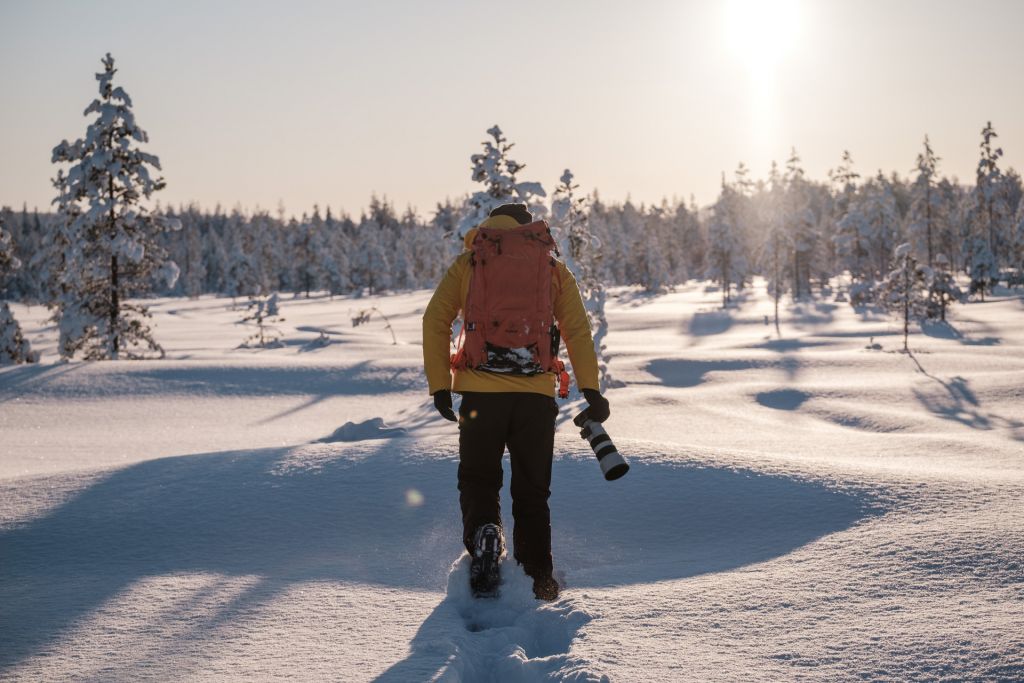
(800, 506)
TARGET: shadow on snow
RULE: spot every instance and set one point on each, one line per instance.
(342, 512)
(152, 377)
(683, 373)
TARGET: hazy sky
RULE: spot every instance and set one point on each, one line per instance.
(252, 103)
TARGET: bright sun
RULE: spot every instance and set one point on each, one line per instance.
(761, 32)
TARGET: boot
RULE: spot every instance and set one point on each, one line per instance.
(485, 566)
(545, 588)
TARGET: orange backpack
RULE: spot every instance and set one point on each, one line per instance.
(509, 321)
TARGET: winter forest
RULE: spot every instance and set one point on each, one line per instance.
(108, 239)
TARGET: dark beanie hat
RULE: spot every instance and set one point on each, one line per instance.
(517, 211)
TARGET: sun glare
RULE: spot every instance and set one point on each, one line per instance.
(760, 33)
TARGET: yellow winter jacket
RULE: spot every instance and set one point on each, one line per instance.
(450, 298)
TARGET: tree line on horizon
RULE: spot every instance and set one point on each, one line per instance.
(96, 257)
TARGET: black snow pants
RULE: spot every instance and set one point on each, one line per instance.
(525, 423)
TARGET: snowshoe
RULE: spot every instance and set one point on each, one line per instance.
(485, 566)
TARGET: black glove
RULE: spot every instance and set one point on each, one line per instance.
(443, 403)
(598, 410)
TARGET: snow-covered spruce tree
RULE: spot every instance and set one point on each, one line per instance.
(874, 218)
(497, 171)
(14, 348)
(29, 235)
(319, 256)
(989, 217)
(773, 261)
(800, 221)
(744, 211)
(1017, 241)
(650, 253)
(849, 254)
(402, 240)
(694, 237)
(726, 259)
(945, 290)
(371, 265)
(335, 261)
(193, 266)
(266, 251)
(240, 275)
(581, 251)
(927, 207)
(9, 263)
(619, 241)
(905, 290)
(951, 236)
(111, 252)
(432, 251)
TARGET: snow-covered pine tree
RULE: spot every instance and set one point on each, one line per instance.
(111, 252)
(14, 347)
(905, 290)
(581, 252)
(497, 171)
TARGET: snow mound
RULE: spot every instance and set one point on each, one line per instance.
(374, 428)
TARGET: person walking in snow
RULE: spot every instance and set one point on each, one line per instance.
(517, 300)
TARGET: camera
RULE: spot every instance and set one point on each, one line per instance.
(612, 463)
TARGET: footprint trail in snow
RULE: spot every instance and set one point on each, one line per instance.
(513, 637)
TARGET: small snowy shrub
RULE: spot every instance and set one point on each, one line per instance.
(263, 311)
(364, 316)
(905, 289)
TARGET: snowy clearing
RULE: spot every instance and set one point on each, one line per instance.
(800, 506)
